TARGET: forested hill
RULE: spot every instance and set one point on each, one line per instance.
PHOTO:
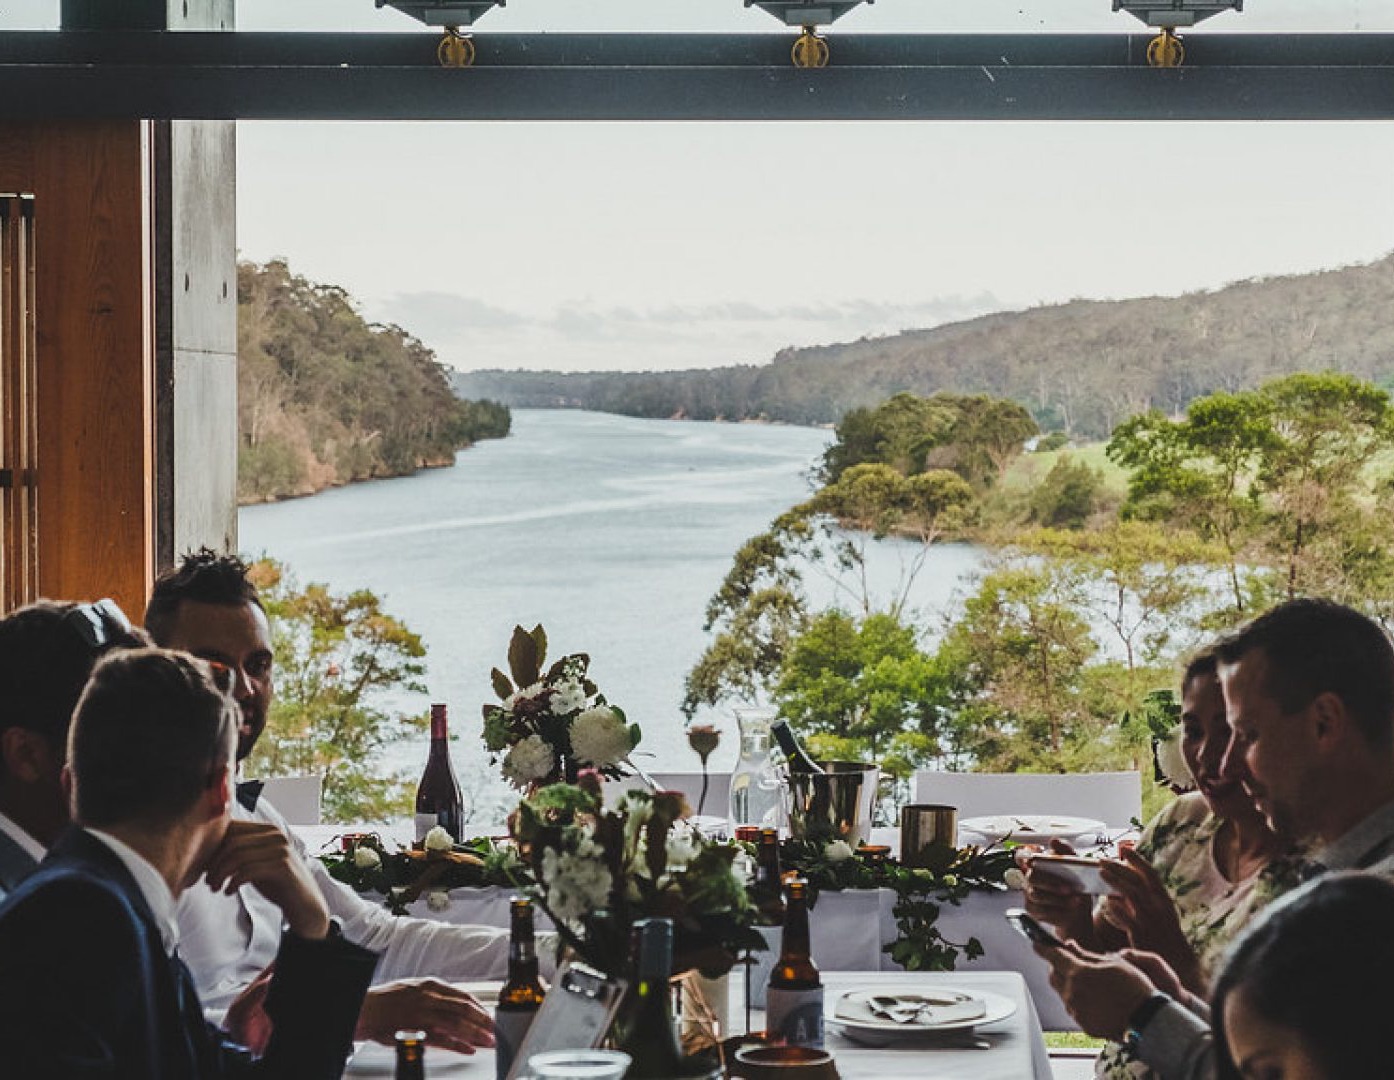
(324, 398)
(1081, 367)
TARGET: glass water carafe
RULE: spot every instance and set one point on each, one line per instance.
(756, 791)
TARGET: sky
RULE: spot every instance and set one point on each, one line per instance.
(658, 246)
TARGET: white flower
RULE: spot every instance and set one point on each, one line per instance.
(577, 881)
(531, 759)
(1014, 879)
(438, 839)
(1171, 762)
(522, 694)
(599, 737)
(437, 899)
(365, 858)
(568, 698)
(743, 868)
(682, 848)
(838, 851)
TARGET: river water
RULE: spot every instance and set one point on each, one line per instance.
(612, 532)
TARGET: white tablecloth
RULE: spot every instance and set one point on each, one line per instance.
(1016, 1049)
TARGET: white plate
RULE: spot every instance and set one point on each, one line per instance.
(1031, 828)
(854, 1016)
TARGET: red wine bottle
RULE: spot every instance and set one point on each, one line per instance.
(438, 800)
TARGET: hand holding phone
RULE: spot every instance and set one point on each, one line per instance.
(1084, 874)
(1034, 931)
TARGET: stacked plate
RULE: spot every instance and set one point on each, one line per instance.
(880, 1016)
(1032, 828)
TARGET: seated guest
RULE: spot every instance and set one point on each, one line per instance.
(1309, 692)
(91, 983)
(208, 607)
(1306, 991)
(1203, 867)
(47, 651)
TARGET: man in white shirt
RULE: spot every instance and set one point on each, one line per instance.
(1309, 695)
(207, 607)
(47, 651)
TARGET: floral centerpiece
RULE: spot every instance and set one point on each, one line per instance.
(552, 725)
(597, 871)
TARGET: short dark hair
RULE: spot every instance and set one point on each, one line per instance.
(205, 577)
(1317, 963)
(150, 733)
(1318, 646)
(1200, 665)
(45, 659)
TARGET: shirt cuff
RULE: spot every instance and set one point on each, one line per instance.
(1176, 1044)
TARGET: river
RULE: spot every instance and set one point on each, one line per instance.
(612, 532)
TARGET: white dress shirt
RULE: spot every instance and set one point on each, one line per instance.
(227, 941)
(152, 886)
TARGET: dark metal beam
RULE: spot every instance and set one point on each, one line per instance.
(693, 77)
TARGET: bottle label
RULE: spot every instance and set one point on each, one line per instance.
(795, 1017)
(510, 1028)
(424, 824)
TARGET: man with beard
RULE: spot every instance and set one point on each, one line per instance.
(1309, 693)
(208, 607)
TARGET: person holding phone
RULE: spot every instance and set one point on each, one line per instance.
(1202, 869)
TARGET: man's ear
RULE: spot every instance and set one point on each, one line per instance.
(65, 778)
(18, 754)
(1329, 717)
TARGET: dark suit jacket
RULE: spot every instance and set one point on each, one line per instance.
(86, 989)
(16, 864)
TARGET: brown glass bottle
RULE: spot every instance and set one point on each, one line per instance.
(411, 1055)
(794, 1001)
(522, 994)
(438, 800)
(767, 890)
(794, 754)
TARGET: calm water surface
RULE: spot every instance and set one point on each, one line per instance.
(610, 531)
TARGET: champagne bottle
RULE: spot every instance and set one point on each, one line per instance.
(796, 755)
(438, 800)
(522, 994)
(794, 1000)
(652, 1042)
(767, 890)
(411, 1055)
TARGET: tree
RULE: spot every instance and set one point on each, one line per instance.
(337, 657)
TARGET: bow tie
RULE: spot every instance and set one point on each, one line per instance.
(248, 792)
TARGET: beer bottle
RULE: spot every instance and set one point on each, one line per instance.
(794, 1000)
(411, 1055)
(438, 800)
(652, 1042)
(796, 755)
(767, 890)
(522, 994)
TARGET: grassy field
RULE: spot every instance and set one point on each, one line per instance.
(1029, 469)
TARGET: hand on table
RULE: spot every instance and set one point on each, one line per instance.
(261, 855)
(1101, 991)
(246, 1020)
(451, 1018)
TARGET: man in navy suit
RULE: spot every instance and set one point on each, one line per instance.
(91, 983)
(47, 650)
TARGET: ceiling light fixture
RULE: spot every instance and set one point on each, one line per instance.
(1166, 49)
(456, 49)
(811, 49)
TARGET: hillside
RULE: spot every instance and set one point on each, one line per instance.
(324, 398)
(1080, 367)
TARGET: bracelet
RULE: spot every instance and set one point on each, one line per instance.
(1142, 1016)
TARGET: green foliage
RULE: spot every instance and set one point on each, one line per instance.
(325, 398)
(1069, 496)
(338, 657)
(1051, 441)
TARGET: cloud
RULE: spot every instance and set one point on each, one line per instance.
(468, 332)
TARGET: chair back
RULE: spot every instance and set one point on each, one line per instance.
(689, 783)
(296, 798)
(1115, 798)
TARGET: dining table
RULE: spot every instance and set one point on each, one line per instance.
(1012, 1048)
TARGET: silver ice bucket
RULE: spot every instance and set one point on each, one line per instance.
(835, 804)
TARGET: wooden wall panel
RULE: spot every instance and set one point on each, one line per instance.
(94, 358)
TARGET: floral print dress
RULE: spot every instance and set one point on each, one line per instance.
(1179, 842)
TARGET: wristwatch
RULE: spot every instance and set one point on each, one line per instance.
(1142, 1016)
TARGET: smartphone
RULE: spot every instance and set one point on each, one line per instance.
(1084, 874)
(1032, 929)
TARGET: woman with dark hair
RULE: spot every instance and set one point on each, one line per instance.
(1203, 868)
(1305, 993)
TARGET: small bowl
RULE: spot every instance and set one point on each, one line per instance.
(783, 1063)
